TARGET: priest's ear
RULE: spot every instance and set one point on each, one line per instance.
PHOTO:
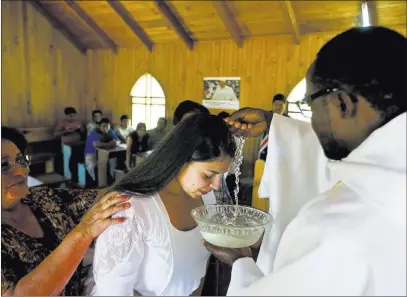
(346, 103)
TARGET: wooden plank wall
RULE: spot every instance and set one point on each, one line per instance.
(266, 65)
(41, 71)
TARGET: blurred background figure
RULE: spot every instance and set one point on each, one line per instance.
(158, 133)
(279, 104)
(96, 118)
(102, 137)
(70, 129)
(124, 129)
(137, 142)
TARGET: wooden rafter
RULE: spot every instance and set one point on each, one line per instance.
(92, 24)
(175, 20)
(58, 25)
(371, 7)
(291, 19)
(132, 23)
(229, 22)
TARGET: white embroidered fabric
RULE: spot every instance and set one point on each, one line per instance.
(114, 245)
(119, 252)
(147, 254)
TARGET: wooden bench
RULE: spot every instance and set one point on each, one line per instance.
(44, 158)
(52, 179)
(73, 154)
(45, 150)
(39, 134)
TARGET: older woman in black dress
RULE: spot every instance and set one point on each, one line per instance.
(43, 235)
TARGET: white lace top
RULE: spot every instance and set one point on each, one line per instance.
(147, 254)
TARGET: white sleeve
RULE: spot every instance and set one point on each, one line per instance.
(119, 252)
(332, 268)
(234, 98)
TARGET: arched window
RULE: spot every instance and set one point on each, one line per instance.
(302, 112)
(148, 102)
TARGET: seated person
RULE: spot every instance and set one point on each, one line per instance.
(137, 142)
(279, 107)
(96, 118)
(45, 232)
(155, 135)
(70, 129)
(102, 137)
(187, 108)
(124, 129)
(279, 104)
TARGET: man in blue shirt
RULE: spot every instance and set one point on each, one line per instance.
(102, 137)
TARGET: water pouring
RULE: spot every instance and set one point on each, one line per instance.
(232, 226)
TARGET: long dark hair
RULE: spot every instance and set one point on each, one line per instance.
(185, 107)
(199, 138)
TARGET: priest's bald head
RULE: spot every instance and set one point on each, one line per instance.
(357, 83)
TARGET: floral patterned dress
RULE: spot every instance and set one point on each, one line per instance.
(58, 211)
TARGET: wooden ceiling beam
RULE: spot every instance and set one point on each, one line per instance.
(372, 8)
(58, 25)
(132, 23)
(229, 21)
(289, 14)
(168, 11)
(92, 24)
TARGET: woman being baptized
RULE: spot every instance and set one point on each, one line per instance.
(158, 249)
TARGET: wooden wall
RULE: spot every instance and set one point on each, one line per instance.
(266, 65)
(41, 71)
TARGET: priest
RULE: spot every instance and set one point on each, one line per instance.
(350, 238)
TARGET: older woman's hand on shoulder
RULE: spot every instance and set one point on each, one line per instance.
(99, 217)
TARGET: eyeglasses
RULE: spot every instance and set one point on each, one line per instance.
(308, 99)
(24, 161)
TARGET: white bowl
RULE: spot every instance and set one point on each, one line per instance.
(214, 224)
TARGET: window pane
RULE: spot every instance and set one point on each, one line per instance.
(157, 111)
(148, 87)
(138, 114)
(298, 93)
(156, 90)
(308, 114)
(160, 101)
(298, 116)
(139, 100)
(305, 107)
(148, 101)
(293, 107)
(140, 88)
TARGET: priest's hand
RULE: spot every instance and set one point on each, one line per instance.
(227, 255)
(249, 122)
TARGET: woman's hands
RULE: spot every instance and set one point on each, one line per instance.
(99, 217)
